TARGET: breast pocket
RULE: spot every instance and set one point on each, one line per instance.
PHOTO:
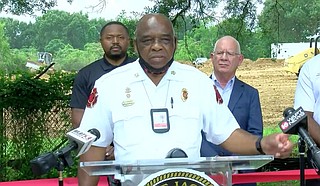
(186, 125)
(130, 126)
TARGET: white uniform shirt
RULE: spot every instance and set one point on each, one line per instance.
(122, 112)
(307, 93)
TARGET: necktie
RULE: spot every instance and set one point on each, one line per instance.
(218, 96)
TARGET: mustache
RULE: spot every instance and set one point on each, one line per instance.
(115, 46)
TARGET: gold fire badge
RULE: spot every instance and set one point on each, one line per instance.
(184, 94)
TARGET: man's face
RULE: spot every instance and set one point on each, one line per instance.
(226, 58)
(115, 41)
(155, 41)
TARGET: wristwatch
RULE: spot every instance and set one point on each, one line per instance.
(258, 146)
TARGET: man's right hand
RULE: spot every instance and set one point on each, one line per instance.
(93, 154)
(110, 153)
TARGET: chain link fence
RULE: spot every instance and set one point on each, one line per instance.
(26, 138)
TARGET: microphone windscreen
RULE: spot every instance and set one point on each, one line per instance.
(288, 111)
(95, 132)
(176, 153)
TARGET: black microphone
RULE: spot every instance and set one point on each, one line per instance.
(79, 141)
(295, 122)
(176, 153)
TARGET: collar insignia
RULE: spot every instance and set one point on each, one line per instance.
(128, 102)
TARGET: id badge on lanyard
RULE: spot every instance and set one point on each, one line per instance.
(160, 120)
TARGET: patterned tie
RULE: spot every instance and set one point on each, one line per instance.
(218, 96)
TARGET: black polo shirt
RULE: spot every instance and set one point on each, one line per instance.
(85, 80)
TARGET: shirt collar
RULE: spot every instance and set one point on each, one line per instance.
(107, 66)
(217, 83)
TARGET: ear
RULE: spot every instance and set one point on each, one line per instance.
(175, 43)
(135, 46)
(211, 57)
(241, 57)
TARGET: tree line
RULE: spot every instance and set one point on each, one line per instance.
(73, 38)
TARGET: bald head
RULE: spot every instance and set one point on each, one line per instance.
(155, 42)
(231, 41)
(151, 21)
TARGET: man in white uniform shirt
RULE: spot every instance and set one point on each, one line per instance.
(307, 96)
(157, 104)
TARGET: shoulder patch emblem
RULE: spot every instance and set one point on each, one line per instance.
(92, 100)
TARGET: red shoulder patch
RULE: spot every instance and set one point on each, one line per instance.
(92, 100)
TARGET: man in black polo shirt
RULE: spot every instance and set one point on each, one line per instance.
(115, 40)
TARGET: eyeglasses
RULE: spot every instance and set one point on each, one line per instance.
(228, 53)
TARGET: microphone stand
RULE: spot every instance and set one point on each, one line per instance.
(60, 168)
(302, 150)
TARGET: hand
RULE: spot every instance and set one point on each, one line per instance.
(109, 153)
(278, 145)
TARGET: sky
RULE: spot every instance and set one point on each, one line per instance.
(91, 7)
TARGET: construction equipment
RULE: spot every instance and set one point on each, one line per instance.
(44, 59)
(294, 63)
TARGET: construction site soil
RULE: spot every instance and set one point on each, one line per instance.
(276, 86)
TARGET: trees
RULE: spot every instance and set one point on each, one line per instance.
(208, 10)
(27, 7)
(19, 33)
(289, 21)
(75, 29)
(4, 48)
(280, 21)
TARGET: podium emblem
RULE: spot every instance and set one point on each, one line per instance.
(178, 177)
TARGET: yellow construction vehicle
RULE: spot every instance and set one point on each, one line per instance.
(294, 63)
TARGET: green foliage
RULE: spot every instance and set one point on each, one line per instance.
(71, 59)
(197, 43)
(130, 22)
(289, 21)
(28, 102)
(282, 183)
(4, 46)
(54, 46)
(75, 29)
(27, 7)
(19, 33)
(18, 60)
(207, 10)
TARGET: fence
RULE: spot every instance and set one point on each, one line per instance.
(24, 139)
(34, 118)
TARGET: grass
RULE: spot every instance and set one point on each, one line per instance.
(294, 138)
(283, 183)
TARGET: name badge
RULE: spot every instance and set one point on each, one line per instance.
(160, 120)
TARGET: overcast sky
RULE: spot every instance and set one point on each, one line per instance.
(113, 8)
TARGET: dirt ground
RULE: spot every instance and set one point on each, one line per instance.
(276, 86)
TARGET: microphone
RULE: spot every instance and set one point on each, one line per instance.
(295, 122)
(79, 141)
(176, 153)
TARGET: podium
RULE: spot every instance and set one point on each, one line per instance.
(215, 171)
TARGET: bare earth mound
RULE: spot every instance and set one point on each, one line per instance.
(276, 86)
